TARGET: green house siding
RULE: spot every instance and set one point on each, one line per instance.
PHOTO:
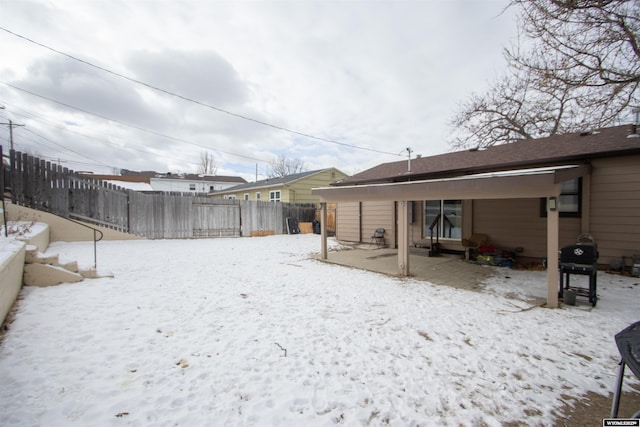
(298, 191)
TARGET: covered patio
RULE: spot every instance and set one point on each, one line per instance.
(448, 270)
(512, 184)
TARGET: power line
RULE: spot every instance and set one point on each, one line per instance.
(40, 119)
(130, 125)
(106, 70)
(66, 148)
(32, 116)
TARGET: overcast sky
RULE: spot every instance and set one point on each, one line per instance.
(373, 77)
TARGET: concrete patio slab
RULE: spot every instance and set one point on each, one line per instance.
(448, 270)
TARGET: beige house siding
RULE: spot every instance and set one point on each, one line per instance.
(615, 207)
(379, 215)
(348, 222)
(512, 223)
(356, 222)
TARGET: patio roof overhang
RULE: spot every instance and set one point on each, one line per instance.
(513, 184)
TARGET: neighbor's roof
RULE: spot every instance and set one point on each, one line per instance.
(146, 176)
(197, 177)
(273, 182)
(555, 150)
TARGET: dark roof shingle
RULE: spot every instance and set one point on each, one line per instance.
(559, 149)
(271, 182)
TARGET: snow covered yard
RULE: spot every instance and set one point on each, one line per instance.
(254, 331)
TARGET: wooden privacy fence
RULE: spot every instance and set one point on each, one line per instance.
(41, 185)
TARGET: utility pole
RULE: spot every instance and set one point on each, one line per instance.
(11, 126)
(409, 150)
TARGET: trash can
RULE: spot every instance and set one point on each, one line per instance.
(316, 226)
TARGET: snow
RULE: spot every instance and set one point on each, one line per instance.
(257, 332)
(17, 232)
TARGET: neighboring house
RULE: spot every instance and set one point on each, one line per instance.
(150, 181)
(503, 191)
(138, 181)
(192, 183)
(295, 188)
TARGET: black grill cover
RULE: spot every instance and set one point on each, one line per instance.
(579, 254)
(628, 342)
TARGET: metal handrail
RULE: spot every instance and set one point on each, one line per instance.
(95, 241)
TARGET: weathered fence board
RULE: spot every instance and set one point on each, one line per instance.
(146, 217)
(41, 185)
(216, 220)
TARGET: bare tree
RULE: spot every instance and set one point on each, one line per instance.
(282, 166)
(207, 165)
(580, 69)
(517, 106)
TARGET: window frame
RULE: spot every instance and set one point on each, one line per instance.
(272, 196)
(442, 234)
(565, 214)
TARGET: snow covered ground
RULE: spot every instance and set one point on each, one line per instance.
(256, 332)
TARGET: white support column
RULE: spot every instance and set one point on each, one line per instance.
(403, 238)
(553, 276)
(323, 230)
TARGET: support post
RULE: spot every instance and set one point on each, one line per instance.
(403, 238)
(553, 276)
(323, 230)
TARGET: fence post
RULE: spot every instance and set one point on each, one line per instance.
(4, 210)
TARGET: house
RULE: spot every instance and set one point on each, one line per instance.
(193, 183)
(295, 188)
(507, 192)
(149, 181)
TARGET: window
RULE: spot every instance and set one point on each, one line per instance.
(192, 187)
(446, 218)
(211, 188)
(230, 197)
(246, 196)
(274, 196)
(258, 196)
(570, 200)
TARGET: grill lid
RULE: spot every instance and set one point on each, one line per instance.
(628, 342)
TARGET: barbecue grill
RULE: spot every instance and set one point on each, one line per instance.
(628, 342)
(581, 258)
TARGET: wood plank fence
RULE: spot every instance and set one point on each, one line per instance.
(41, 185)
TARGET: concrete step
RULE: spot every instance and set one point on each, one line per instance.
(34, 256)
(48, 275)
(92, 273)
(71, 266)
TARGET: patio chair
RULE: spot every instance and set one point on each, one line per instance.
(378, 237)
